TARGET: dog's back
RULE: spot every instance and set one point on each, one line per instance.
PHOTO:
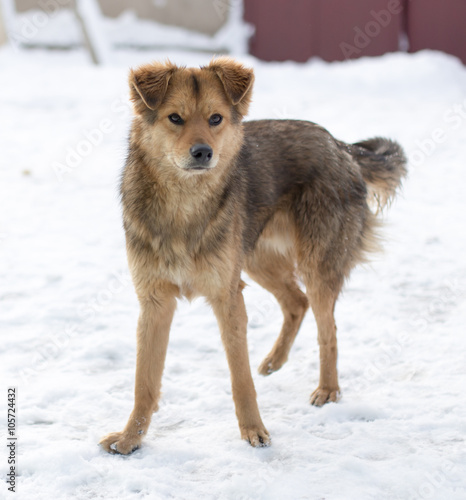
(297, 166)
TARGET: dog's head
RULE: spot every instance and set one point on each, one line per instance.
(191, 117)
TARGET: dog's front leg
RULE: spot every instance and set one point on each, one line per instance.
(232, 319)
(152, 339)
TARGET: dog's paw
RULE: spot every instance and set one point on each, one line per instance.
(119, 442)
(321, 396)
(257, 437)
(270, 364)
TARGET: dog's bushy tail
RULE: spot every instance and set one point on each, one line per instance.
(383, 166)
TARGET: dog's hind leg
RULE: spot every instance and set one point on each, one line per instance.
(275, 272)
(322, 298)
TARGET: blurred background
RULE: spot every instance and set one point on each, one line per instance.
(68, 311)
(272, 30)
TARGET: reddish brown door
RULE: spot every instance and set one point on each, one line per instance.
(331, 29)
(432, 24)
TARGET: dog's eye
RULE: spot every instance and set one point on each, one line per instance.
(215, 119)
(176, 119)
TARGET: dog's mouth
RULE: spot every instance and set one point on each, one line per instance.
(198, 168)
(192, 168)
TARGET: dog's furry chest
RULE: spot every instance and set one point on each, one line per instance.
(174, 257)
(191, 253)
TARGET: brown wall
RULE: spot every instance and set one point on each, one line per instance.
(344, 29)
(330, 29)
(438, 25)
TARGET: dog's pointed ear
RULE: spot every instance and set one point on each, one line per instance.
(148, 85)
(237, 81)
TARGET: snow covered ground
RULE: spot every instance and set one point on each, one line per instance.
(68, 310)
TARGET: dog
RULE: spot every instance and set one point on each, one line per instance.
(206, 196)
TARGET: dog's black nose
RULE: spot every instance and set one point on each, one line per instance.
(202, 153)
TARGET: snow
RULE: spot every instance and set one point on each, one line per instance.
(68, 309)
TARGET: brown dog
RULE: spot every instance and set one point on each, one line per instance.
(205, 196)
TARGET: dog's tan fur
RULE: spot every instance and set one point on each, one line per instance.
(276, 198)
